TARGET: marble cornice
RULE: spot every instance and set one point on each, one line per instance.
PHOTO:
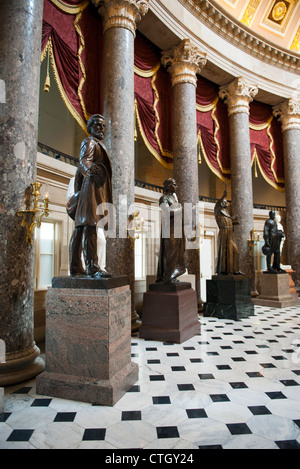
(241, 36)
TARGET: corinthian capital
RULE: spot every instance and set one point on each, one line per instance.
(238, 95)
(184, 61)
(288, 113)
(121, 13)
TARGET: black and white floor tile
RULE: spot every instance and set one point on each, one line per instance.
(235, 386)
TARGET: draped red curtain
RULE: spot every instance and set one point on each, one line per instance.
(266, 144)
(153, 100)
(73, 38)
(212, 128)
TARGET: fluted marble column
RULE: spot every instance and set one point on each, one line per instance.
(20, 49)
(119, 25)
(288, 113)
(183, 62)
(237, 95)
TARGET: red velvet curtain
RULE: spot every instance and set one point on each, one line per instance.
(74, 40)
(153, 100)
(212, 128)
(266, 144)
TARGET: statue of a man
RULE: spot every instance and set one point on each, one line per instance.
(172, 245)
(273, 237)
(228, 255)
(92, 187)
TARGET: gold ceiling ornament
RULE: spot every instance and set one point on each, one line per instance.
(250, 12)
(279, 11)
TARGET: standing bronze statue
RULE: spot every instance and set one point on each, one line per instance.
(228, 255)
(92, 187)
(172, 243)
(273, 237)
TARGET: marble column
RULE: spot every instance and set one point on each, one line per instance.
(184, 62)
(119, 25)
(20, 49)
(237, 95)
(288, 113)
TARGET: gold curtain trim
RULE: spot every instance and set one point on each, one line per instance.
(147, 73)
(149, 147)
(208, 107)
(83, 79)
(262, 126)
(156, 101)
(65, 99)
(71, 9)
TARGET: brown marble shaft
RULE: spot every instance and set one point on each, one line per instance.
(241, 188)
(20, 40)
(119, 113)
(291, 145)
(185, 164)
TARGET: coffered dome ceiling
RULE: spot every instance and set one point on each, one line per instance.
(277, 21)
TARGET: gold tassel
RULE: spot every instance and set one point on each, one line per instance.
(255, 167)
(199, 153)
(47, 81)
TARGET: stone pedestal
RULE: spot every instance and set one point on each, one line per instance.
(275, 291)
(88, 340)
(228, 297)
(170, 313)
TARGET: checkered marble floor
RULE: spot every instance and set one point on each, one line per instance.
(235, 386)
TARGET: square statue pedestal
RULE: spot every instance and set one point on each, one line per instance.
(170, 313)
(228, 297)
(88, 340)
(275, 291)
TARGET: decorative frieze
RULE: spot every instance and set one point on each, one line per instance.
(121, 13)
(288, 113)
(237, 95)
(184, 61)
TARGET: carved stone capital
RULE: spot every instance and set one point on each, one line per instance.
(238, 95)
(121, 13)
(183, 62)
(288, 113)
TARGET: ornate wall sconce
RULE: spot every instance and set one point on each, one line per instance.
(34, 212)
(135, 228)
(254, 239)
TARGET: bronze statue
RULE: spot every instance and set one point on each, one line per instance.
(228, 255)
(172, 244)
(273, 237)
(92, 187)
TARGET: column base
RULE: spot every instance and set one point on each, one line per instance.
(79, 388)
(170, 316)
(275, 291)
(228, 297)
(23, 368)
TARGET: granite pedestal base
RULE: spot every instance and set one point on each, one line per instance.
(88, 342)
(170, 314)
(275, 291)
(228, 297)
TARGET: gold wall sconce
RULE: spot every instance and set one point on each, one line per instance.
(34, 212)
(254, 239)
(135, 228)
